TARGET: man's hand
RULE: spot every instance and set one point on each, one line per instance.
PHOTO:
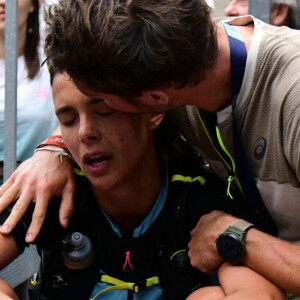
(38, 179)
(202, 247)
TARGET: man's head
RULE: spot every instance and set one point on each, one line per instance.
(123, 47)
(283, 12)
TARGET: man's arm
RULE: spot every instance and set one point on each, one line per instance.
(239, 282)
(38, 179)
(275, 259)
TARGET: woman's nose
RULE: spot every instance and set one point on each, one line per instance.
(88, 132)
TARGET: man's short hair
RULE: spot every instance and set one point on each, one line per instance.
(125, 46)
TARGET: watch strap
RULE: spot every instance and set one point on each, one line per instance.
(242, 225)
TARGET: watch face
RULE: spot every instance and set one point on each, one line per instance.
(230, 247)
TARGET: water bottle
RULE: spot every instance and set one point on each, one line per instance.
(78, 252)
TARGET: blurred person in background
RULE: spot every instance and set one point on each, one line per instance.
(35, 111)
(283, 12)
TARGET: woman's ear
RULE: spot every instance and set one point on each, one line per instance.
(154, 120)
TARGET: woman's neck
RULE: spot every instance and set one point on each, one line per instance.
(21, 43)
(129, 203)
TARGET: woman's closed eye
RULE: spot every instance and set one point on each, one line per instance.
(105, 114)
(101, 108)
(67, 122)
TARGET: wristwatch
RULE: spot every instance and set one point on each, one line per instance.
(231, 243)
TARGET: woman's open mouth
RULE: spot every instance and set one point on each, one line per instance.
(97, 160)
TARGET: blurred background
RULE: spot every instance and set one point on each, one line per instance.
(220, 7)
(258, 8)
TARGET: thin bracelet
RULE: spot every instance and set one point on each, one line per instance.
(57, 152)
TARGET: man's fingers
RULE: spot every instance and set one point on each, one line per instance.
(67, 205)
(17, 212)
(6, 185)
(9, 196)
(38, 218)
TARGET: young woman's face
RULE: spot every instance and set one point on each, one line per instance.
(25, 8)
(108, 145)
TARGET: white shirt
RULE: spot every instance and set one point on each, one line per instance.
(36, 119)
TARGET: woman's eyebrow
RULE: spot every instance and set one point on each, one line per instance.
(69, 107)
(63, 110)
